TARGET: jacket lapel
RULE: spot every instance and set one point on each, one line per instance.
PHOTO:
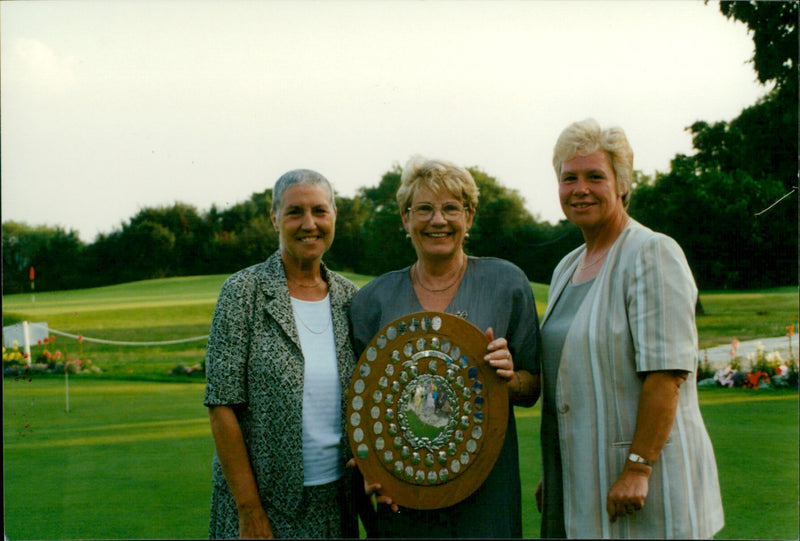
(341, 327)
(279, 305)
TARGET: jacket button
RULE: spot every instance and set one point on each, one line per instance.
(564, 408)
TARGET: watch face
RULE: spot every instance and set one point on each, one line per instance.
(426, 414)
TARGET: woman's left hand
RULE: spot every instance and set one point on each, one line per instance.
(628, 493)
(498, 355)
(374, 491)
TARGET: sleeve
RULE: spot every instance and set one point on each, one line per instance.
(524, 338)
(228, 348)
(364, 318)
(661, 306)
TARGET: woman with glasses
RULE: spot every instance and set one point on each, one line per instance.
(438, 201)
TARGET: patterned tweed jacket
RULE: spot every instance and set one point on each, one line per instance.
(255, 364)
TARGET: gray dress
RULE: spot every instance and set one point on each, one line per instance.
(553, 335)
(493, 293)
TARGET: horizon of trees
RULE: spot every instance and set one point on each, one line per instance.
(711, 202)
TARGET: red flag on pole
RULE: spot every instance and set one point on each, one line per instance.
(31, 273)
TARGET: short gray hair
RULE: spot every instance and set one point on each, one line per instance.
(299, 177)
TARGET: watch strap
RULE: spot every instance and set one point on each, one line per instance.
(633, 457)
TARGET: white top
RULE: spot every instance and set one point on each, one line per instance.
(322, 393)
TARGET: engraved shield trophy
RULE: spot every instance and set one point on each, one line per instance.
(426, 414)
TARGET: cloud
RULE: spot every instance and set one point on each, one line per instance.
(41, 67)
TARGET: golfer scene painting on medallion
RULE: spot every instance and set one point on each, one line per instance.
(426, 414)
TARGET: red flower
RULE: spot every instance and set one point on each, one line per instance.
(80, 338)
(754, 378)
(790, 330)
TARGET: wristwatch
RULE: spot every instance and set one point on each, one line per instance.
(633, 457)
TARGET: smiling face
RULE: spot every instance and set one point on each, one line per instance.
(305, 223)
(587, 190)
(442, 235)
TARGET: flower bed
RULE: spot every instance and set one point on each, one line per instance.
(198, 369)
(15, 362)
(767, 370)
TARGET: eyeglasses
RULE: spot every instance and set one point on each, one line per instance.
(425, 211)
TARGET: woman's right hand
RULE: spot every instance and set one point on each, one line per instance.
(254, 524)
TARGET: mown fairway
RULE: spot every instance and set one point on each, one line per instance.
(132, 457)
(131, 460)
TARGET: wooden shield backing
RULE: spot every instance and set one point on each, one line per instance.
(426, 414)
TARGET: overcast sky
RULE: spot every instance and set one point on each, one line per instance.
(110, 107)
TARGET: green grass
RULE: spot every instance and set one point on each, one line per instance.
(132, 460)
(746, 315)
(136, 437)
(754, 434)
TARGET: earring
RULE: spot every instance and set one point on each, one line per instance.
(466, 235)
(408, 235)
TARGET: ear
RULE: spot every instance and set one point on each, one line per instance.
(470, 216)
(274, 220)
(404, 217)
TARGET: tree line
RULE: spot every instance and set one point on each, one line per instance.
(180, 240)
(713, 202)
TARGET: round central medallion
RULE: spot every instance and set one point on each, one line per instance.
(427, 412)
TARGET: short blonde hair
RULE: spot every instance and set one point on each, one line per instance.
(438, 176)
(586, 137)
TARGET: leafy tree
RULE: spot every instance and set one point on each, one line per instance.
(774, 29)
(346, 251)
(501, 211)
(384, 245)
(190, 232)
(241, 235)
(150, 249)
(54, 253)
(717, 232)
(712, 202)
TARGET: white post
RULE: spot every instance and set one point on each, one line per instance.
(26, 333)
(66, 381)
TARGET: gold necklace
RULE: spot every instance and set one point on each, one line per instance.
(317, 284)
(439, 290)
(593, 263)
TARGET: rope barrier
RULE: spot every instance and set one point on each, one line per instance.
(121, 343)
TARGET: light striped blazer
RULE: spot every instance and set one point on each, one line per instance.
(638, 316)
